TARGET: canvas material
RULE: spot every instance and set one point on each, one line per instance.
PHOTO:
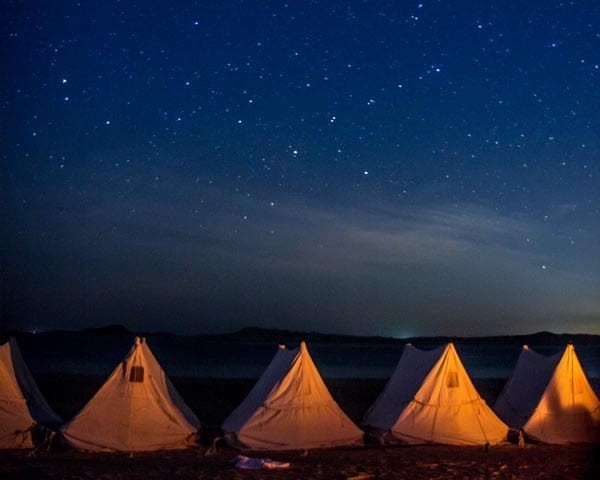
(525, 387)
(133, 416)
(277, 368)
(291, 408)
(445, 407)
(22, 405)
(14, 414)
(569, 410)
(38, 407)
(409, 374)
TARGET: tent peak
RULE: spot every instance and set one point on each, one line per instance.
(136, 409)
(290, 408)
(430, 398)
(551, 399)
(281, 346)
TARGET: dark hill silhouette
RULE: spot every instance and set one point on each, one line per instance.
(268, 335)
(545, 338)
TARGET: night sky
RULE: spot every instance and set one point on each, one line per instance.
(363, 167)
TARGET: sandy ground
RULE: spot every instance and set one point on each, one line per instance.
(213, 399)
(425, 462)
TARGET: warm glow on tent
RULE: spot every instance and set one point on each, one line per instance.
(569, 411)
(22, 405)
(137, 409)
(551, 399)
(290, 408)
(431, 399)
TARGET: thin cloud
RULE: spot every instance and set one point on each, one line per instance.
(356, 267)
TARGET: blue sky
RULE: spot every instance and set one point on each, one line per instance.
(395, 168)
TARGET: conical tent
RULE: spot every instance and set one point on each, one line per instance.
(137, 409)
(431, 399)
(290, 408)
(551, 399)
(22, 405)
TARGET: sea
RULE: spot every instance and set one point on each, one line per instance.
(201, 357)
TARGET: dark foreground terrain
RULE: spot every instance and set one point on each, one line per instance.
(426, 462)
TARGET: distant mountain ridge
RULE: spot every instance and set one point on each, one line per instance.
(269, 335)
(263, 334)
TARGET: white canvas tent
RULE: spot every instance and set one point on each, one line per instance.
(431, 399)
(137, 409)
(22, 405)
(290, 408)
(550, 398)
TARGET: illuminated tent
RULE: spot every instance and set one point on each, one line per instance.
(22, 405)
(290, 408)
(550, 398)
(137, 409)
(431, 399)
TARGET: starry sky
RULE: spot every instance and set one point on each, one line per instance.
(362, 167)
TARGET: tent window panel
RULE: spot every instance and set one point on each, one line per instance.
(452, 380)
(136, 374)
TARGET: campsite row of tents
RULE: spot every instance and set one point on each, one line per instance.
(429, 399)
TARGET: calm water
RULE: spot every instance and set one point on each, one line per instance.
(188, 356)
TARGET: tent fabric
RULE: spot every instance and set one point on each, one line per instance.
(22, 405)
(562, 407)
(38, 407)
(431, 399)
(413, 367)
(290, 408)
(14, 414)
(137, 409)
(525, 387)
